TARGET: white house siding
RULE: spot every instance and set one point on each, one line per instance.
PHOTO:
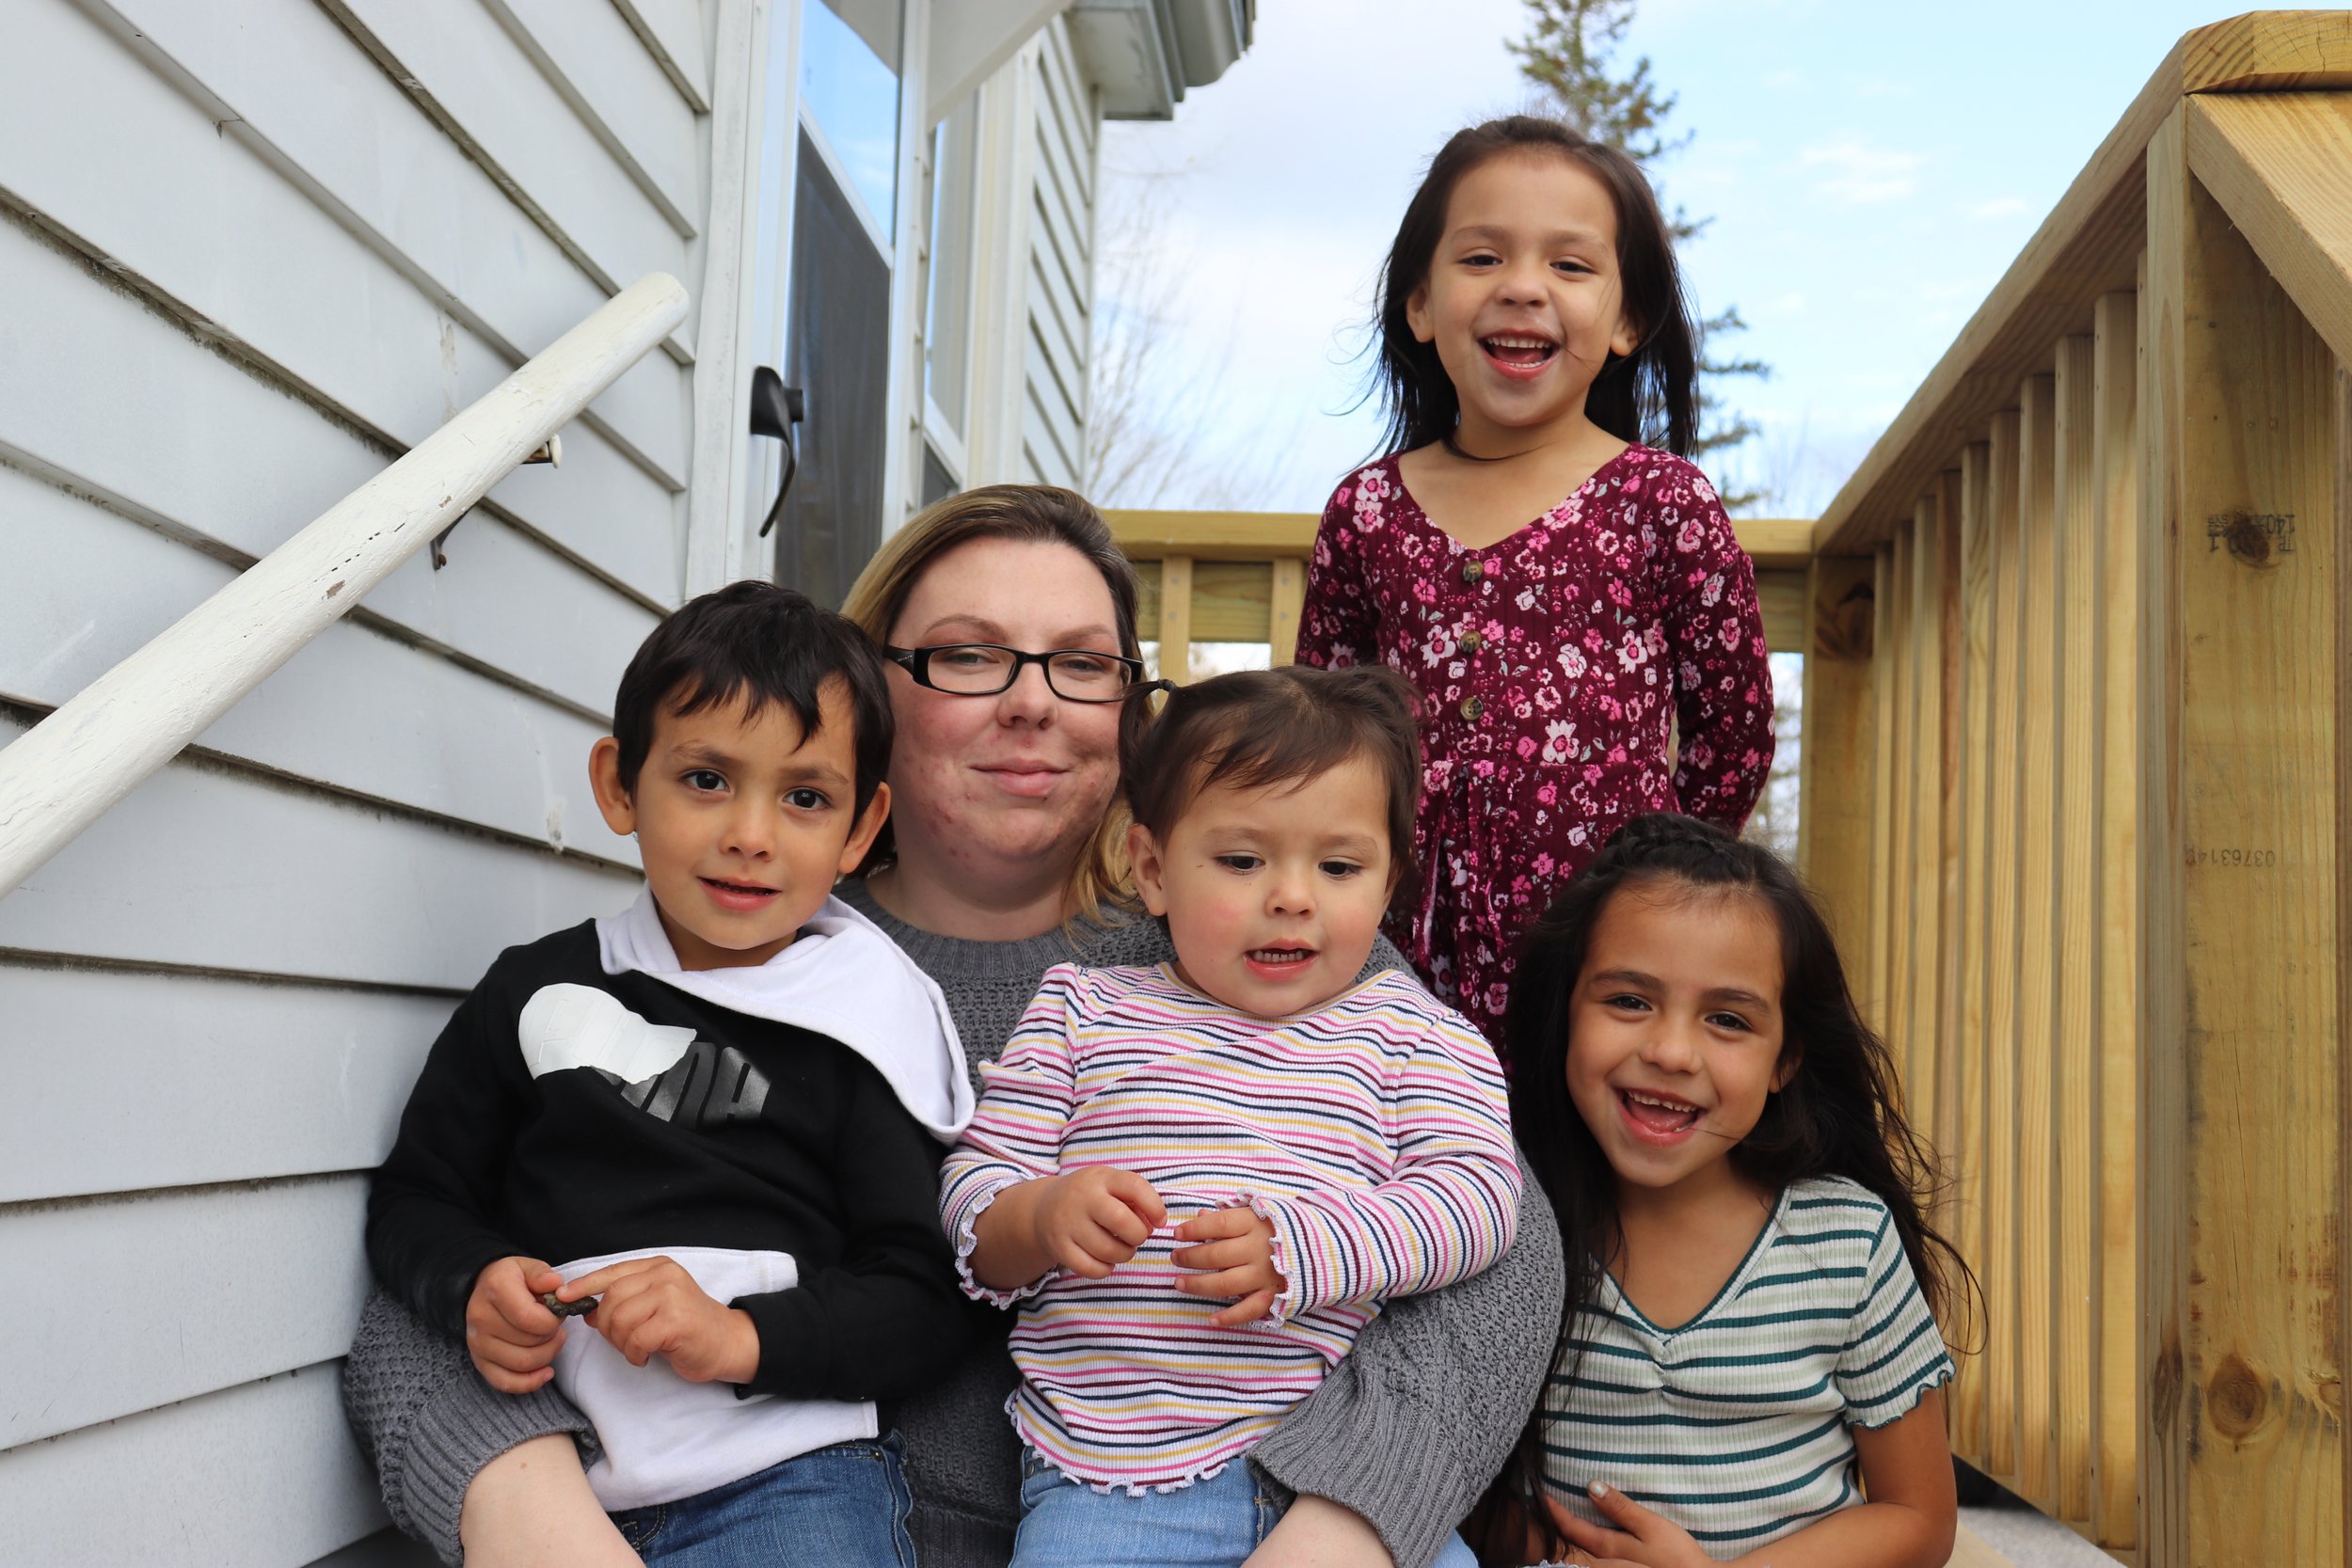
(1059, 351)
(248, 254)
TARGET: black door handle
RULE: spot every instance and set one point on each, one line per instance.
(775, 410)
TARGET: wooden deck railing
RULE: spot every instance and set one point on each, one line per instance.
(1240, 576)
(2075, 776)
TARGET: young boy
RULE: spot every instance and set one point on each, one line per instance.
(725, 1108)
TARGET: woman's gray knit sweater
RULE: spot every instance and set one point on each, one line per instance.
(1406, 1431)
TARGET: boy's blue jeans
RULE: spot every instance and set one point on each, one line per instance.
(1214, 1523)
(846, 1504)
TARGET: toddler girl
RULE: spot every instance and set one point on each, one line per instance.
(1749, 1342)
(1199, 1179)
(1533, 327)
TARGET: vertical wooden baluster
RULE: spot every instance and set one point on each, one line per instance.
(1943, 1128)
(2037, 910)
(1926, 813)
(1288, 596)
(2114, 1279)
(1885, 692)
(1897, 867)
(1176, 618)
(2245, 1459)
(1837, 788)
(2081, 579)
(2007, 725)
(1972, 1160)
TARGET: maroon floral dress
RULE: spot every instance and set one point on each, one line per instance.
(1551, 665)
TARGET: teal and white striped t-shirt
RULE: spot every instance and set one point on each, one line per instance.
(1734, 1425)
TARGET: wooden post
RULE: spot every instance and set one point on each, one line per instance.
(1287, 598)
(1837, 782)
(1975, 684)
(1176, 618)
(2114, 1277)
(2076, 863)
(1997, 1265)
(2244, 1141)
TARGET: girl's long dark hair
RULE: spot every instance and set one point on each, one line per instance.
(1841, 1113)
(1645, 397)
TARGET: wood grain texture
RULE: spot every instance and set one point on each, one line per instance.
(200, 1465)
(2280, 165)
(2255, 1461)
(2086, 246)
(1971, 1152)
(2041, 559)
(1289, 600)
(1774, 543)
(2162, 1059)
(1835, 788)
(1175, 619)
(2259, 707)
(1231, 600)
(1923, 1053)
(1898, 866)
(2004, 811)
(2079, 699)
(260, 1280)
(237, 1080)
(2114, 1276)
(1885, 725)
(1943, 1130)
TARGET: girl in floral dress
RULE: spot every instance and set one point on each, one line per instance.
(1536, 359)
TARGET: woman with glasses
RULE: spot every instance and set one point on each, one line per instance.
(1010, 616)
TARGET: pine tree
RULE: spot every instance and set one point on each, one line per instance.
(1569, 52)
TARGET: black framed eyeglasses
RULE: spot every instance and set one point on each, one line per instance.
(985, 669)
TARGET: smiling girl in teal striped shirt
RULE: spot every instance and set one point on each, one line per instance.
(1749, 1365)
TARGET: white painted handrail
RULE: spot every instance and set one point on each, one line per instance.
(65, 772)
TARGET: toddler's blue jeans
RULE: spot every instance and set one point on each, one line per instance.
(1214, 1523)
(845, 1505)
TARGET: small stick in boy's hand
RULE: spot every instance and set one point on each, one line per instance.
(563, 1308)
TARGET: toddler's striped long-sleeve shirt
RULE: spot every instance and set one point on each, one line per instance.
(1372, 1133)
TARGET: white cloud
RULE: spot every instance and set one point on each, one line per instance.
(1858, 175)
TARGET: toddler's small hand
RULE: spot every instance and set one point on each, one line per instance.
(1091, 1220)
(651, 1307)
(1236, 1257)
(510, 1336)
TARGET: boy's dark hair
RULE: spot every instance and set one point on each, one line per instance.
(1255, 728)
(1645, 397)
(764, 644)
(1841, 1113)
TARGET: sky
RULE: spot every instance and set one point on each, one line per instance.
(1871, 171)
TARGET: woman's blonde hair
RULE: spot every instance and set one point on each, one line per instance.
(1035, 513)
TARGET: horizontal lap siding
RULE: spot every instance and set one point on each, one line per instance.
(1061, 283)
(253, 254)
